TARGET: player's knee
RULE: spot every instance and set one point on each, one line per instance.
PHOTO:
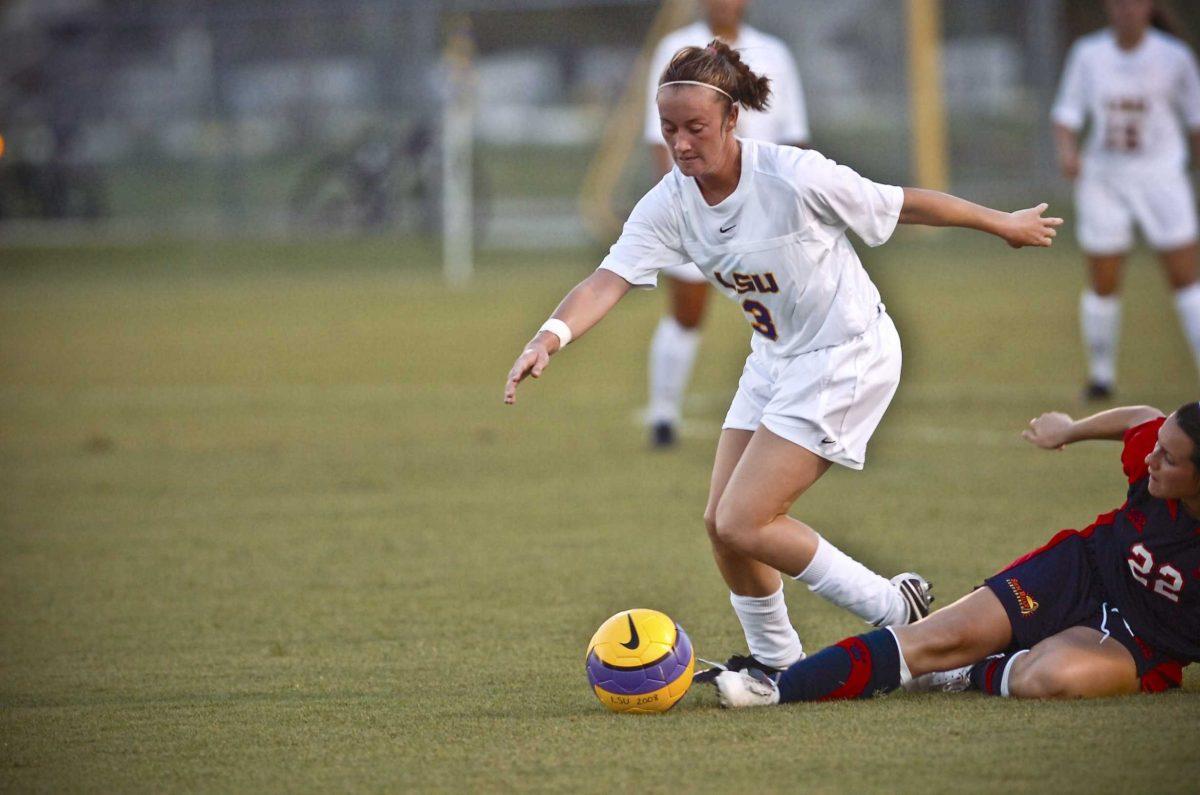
(1038, 679)
(710, 523)
(1105, 277)
(1181, 281)
(735, 528)
(689, 320)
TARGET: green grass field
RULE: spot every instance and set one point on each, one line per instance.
(266, 525)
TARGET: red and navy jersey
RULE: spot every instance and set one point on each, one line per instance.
(1147, 554)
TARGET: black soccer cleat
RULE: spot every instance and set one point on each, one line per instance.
(917, 593)
(737, 662)
(662, 435)
(1097, 391)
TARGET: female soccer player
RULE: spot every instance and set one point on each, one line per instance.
(1111, 609)
(767, 225)
(1140, 88)
(677, 337)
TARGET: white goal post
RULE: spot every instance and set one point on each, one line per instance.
(457, 134)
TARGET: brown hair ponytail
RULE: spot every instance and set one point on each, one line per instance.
(719, 65)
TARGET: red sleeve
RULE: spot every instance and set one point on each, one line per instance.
(1139, 442)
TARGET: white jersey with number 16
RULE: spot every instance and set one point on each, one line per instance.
(777, 245)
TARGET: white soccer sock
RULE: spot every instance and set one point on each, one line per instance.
(839, 578)
(1008, 664)
(1100, 322)
(672, 354)
(769, 632)
(905, 674)
(1187, 304)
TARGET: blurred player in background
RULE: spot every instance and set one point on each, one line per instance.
(1139, 88)
(767, 225)
(673, 347)
(1108, 610)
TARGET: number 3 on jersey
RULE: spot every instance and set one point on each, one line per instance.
(761, 321)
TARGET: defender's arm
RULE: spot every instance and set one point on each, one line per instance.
(1055, 430)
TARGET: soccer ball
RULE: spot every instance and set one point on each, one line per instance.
(640, 661)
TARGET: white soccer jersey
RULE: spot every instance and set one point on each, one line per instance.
(784, 122)
(1135, 99)
(777, 245)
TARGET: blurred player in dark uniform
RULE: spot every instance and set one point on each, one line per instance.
(1107, 610)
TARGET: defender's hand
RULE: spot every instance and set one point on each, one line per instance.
(532, 361)
(1029, 228)
(1049, 431)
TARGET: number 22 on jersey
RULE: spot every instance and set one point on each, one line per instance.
(1168, 582)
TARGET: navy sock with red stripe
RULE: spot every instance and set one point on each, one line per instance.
(991, 675)
(858, 667)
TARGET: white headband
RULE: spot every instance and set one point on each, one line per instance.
(696, 83)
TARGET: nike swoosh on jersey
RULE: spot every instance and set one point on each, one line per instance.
(725, 229)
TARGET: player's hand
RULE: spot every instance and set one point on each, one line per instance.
(532, 361)
(1051, 431)
(1029, 228)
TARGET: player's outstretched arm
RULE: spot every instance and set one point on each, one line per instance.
(1055, 430)
(583, 307)
(1018, 229)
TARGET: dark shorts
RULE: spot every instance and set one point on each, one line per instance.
(1056, 587)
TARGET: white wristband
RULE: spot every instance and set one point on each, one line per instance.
(558, 329)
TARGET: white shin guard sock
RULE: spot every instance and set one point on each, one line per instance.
(1100, 323)
(1187, 304)
(1008, 671)
(672, 354)
(842, 580)
(905, 674)
(769, 632)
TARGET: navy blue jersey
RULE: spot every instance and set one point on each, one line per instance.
(1147, 555)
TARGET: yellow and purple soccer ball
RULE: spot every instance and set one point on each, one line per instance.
(640, 661)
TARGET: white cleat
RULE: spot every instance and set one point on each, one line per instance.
(954, 681)
(746, 688)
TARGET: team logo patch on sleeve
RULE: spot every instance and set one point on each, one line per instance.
(1024, 600)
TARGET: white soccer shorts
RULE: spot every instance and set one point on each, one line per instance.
(828, 401)
(1162, 205)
